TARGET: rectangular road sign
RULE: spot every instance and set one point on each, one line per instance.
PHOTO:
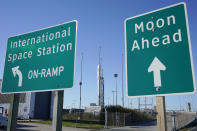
(158, 53)
(41, 60)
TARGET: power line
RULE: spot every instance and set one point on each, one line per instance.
(113, 96)
(122, 83)
(80, 83)
(116, 75)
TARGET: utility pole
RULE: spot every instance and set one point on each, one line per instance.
(113, 96)
(152, 103)
(116, 75)
(131, 103)
(139, 104)
(108, 100)
(80, 83)
(122, 82)
(73, 104)
(128, 102)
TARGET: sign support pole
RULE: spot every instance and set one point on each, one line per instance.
(57, 110)
(13, 111)
(161, 113)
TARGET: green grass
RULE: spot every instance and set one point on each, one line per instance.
(75, 125)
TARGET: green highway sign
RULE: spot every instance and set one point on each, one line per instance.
(41, 60)
(158, 53)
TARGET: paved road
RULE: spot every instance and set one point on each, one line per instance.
(42, 127)
(150, 126)
(194, 129)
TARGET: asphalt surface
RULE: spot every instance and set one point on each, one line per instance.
(41, 127)
(149, 126)
(194, 129)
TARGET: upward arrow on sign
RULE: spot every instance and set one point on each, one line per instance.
(156, 66)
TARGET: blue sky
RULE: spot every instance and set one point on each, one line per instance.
(100, 23)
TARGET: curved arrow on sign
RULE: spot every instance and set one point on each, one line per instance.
(16, 71)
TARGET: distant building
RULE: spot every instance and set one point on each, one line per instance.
(148, 111)
(92, 104)
(73, 110)
(37, 105)
(93, 109)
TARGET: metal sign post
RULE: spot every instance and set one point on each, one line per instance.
(13, 110)
(57, 110)
(161, 113)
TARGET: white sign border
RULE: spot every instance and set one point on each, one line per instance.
(62, 89)
(190, 51)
